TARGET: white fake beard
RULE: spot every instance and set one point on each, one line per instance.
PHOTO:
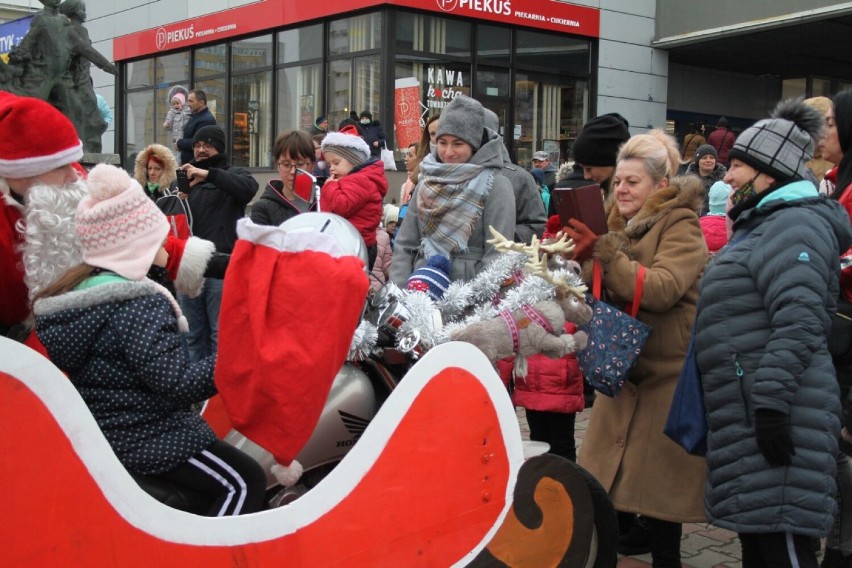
(51, 246)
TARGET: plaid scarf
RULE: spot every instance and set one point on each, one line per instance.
(451, 197)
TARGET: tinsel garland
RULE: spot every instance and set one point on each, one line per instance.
(364, 341)
(464, 303)
(460, 297)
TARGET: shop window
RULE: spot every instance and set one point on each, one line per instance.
(299, 97)
(549, 111)
(139, 121)
(339, 81)
(367, 85)
(173, 69)
(433, 34)
(492, 83)
(140, 73)
(820, 87)
(359, 33)
(300, 44)
(211, 60)
(494, 44)
(557, 53)
(217, 95)
(251, 123)
(438, 81)
(792, 88)
(252, 53)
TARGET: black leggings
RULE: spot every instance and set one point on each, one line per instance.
(230, 480)
(777, 550)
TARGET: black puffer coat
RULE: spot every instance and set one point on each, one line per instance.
(272, 208)
(763, 317)
(119, 344)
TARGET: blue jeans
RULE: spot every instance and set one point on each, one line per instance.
(202, 314)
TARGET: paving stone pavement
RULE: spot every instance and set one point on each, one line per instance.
(703, 545)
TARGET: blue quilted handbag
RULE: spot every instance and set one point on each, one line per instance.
(616, 338)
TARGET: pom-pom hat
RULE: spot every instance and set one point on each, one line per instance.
(35, 138)
(118, 226)
(347, 144)
(432, 278)
(780, 146)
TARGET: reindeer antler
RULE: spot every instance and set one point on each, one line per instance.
(538, 267)
(563, 245)
(537, 263)
(502, 244)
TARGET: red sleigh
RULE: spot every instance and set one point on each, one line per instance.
(437, 479)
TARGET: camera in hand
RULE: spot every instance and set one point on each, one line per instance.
(182, 181)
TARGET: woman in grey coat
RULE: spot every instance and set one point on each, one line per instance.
(770, 391)
(458, 196)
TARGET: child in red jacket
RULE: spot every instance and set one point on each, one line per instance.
(551, 394)
(357, 185)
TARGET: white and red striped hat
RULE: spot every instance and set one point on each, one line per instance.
(35, 137)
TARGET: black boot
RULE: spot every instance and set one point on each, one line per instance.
(637, 539)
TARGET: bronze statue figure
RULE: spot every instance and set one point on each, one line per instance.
(52, 63)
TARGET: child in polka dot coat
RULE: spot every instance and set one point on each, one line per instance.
(116, 333)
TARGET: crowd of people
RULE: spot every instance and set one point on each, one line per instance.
(738, 241)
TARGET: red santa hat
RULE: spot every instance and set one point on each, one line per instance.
(34, 137)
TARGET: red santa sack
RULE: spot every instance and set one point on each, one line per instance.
(290, 306)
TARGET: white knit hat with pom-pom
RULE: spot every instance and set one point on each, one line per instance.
(119, 227)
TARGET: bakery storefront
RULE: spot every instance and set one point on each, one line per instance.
(270, 66)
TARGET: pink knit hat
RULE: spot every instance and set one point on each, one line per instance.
(119, 227)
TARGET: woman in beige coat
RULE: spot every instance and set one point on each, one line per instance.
(653, 221)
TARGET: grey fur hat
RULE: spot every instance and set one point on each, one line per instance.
(463, 118)
(780, 146)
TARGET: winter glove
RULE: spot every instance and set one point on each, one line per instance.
(217, 265)
(584, 239)
(773, 436)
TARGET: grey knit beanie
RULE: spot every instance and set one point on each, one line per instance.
(780, 146)
(705, 150)
(463, 118)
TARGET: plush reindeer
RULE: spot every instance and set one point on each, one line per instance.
(536, 328)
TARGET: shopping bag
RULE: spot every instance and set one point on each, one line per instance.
(616, 339)
(388, 159)
(687, 420)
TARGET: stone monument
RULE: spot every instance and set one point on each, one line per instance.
(52, 63)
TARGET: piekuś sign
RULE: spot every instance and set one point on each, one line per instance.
(548, 14)
(553, 15)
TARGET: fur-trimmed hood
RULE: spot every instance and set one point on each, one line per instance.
(683, 191)
(140, 171)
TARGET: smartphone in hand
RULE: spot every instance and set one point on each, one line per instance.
(182, 181)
